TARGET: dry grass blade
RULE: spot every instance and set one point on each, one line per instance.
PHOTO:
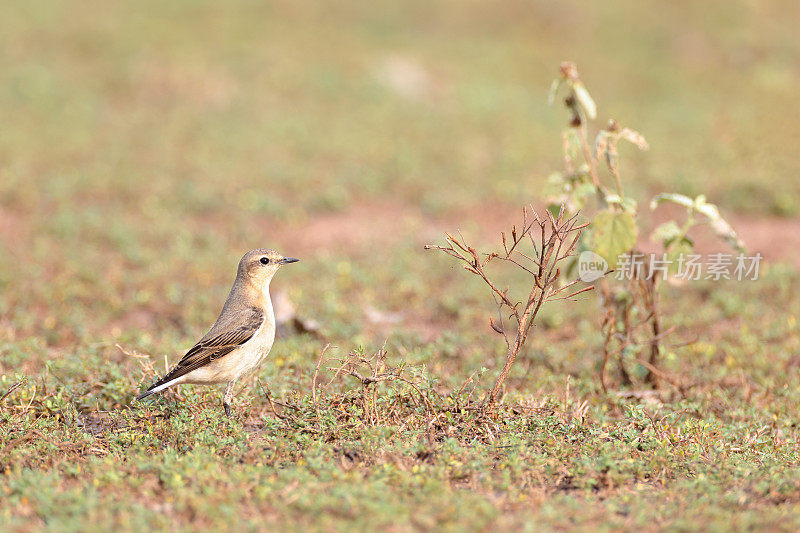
(13, 387)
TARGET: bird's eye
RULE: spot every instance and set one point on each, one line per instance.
(265, 260)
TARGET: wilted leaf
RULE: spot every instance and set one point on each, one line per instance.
(724, 231)
(554, 87)
(719, 225)
(613, 234)
(634, 137)
(709, 210)
(601, 144)
(585, 99)
(679, 199)
(287, 321)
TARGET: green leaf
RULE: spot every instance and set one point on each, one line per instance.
(614, 234)
(627, 204)
(554, 209)
(666, 233)
(555, 186)
(572, 146)
(583, 191)
(683, 248)
(630, 205)
(572, 265)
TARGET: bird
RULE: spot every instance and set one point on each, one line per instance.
(242, 336)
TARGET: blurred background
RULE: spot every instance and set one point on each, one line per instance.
(145, 146)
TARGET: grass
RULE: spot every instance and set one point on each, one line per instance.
(146, 146)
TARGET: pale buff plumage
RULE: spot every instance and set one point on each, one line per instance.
(242, 336)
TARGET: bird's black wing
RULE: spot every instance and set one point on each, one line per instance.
(215, 346)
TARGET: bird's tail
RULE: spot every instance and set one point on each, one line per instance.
(158, 386)
(144, 395)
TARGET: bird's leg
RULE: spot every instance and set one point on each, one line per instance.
(226, 398)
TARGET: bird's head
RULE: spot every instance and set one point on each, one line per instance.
(258, 266)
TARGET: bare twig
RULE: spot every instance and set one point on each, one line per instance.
(553, 239)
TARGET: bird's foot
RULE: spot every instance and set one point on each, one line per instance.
(227, 397)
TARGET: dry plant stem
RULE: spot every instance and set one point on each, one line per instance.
(634, 325)
(652, 301)
(552, 239)
(316, 374)
(617, 179)
(672, 380)
(587, 153)
(369, 371)
(627, 332)
(609, 324)
(579, 121)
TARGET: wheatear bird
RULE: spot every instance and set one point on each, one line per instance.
(241, 337)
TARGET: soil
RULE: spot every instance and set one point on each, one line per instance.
(377, 225)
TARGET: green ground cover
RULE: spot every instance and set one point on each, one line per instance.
(145, 146)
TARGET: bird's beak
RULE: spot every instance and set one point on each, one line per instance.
(287, 260)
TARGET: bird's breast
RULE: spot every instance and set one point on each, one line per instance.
(256, 349)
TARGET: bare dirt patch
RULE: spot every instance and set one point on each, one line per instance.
(379, 225)
(777, 239)
(382, 224)
(15, 229)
